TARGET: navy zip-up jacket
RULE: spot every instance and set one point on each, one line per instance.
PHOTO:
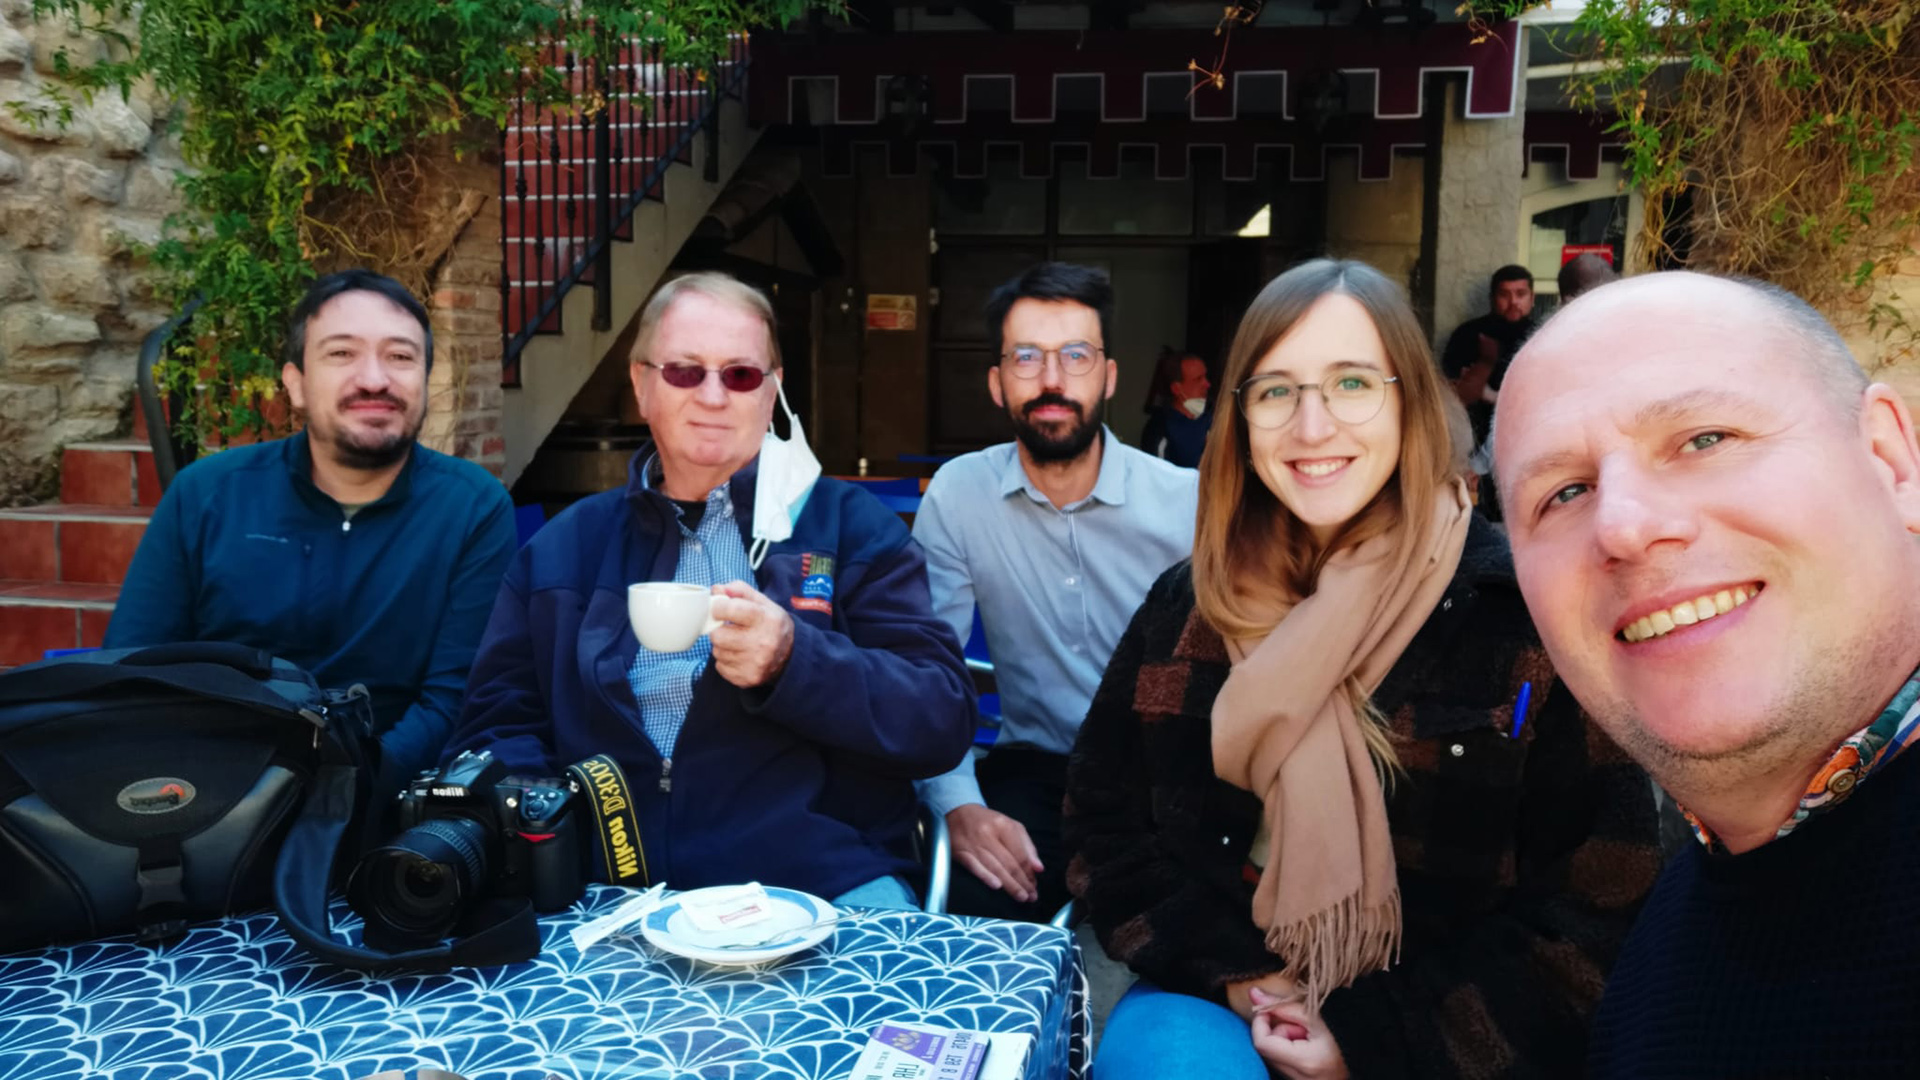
(244, 548)
(806, 782)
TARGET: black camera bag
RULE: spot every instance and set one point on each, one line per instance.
(141, 789)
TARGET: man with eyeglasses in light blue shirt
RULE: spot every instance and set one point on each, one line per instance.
(1056, 537)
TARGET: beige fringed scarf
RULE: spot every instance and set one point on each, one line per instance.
(1285, 728)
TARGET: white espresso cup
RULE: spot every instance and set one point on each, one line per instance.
(668, 616)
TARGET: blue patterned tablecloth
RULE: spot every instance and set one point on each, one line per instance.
(238, 1000)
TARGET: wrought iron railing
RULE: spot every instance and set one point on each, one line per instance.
(571, 178)
(170, 455)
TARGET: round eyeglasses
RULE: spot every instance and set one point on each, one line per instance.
(739, 378)
(1352, 396)
(1028, 361)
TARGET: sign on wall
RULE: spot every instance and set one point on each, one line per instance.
(892, 311)
(1570, 252)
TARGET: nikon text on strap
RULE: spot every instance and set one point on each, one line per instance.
(615, 825)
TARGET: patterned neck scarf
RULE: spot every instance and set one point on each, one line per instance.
(1861, 754)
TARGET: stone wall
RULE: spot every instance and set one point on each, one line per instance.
(74, 304)
(1890, 353)
(1376, 221)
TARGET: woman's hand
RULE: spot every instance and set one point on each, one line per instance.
(1292, 1043)
(1276, 987)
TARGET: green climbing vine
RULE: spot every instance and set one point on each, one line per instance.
(318, 133)
(1784, 130)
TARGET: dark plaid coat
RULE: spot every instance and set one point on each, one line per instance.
(1522, 861)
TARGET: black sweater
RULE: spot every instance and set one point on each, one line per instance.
(1800, 958)
(1521, 861)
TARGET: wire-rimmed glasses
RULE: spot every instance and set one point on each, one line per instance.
(1028, 361)
(1352, 396)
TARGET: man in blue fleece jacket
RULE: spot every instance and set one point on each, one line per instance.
(348, 548)
(782, 747)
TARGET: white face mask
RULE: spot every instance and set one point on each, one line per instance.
(1194, 406)
(785, 478)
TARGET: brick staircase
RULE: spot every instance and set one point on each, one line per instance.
(61, 564)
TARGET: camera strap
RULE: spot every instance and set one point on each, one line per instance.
(614, 822)
(504, 932)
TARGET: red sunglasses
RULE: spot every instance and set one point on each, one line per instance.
(739, 378)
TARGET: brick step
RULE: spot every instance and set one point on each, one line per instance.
(115, 472)
(36, 616)
(70, 544)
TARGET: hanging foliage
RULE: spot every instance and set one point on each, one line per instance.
(319, 133)
(1786, 129)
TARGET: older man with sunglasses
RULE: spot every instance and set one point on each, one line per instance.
(782, 746)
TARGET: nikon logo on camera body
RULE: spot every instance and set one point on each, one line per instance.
(156, 795)
(620, 848)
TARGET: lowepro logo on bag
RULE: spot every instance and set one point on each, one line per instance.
(158, 795)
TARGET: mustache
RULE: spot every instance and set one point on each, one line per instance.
(1058, 401)
(389, 399)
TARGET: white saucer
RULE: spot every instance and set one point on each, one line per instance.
(790, 926)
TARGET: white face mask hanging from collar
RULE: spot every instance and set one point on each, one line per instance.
(785, 478)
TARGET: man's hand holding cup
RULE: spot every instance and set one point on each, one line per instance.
(752, 636)
(755, 636)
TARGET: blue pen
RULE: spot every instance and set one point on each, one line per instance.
(1520, 709)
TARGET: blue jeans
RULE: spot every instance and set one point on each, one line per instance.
(882, 892)
(1154, 1033)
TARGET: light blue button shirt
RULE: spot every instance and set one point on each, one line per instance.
(1056, 587)
(710, 554)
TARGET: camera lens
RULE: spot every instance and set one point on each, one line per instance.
(416, 888)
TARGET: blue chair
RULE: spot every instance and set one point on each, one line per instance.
(51, 653)
(890, 485)
(901, 494)
(981, 664)
(527, 520)
(977, 641)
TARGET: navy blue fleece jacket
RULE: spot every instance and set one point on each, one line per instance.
(806, 782)
(244, 548)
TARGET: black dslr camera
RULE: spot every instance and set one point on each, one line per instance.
(468, 831)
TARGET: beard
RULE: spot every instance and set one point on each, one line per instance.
(369, 451)
(1047, 448)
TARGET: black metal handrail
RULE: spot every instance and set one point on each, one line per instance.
(601, 158)
(168, 454)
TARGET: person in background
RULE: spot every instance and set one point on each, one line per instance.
(1330, 801)
(1177, 421)
(347, 548)
(1056, 537)
(782, 746)
(1479, 350)
(1584, 273)
(1714, 519)
(1476, 359)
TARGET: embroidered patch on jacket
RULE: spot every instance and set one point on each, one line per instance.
(816, 583)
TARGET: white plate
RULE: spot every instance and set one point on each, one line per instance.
(790, 924)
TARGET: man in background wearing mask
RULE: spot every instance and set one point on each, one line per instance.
(1057, 537)
(781, 747)
(1177, 422)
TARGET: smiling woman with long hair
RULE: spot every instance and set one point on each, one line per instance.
(1330, 801)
